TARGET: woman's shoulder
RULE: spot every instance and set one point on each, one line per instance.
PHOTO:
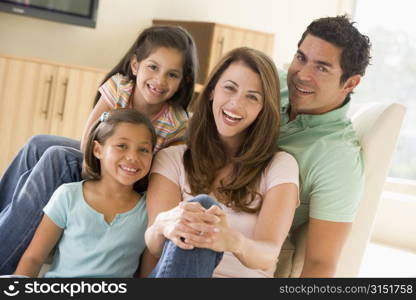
(283, 159)
(283, 156)
(176, 150)
(282, 169)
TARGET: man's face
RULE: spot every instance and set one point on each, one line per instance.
(314, 78)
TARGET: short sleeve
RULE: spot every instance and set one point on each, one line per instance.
(283, 169)
(57, 207)
(338, 183)
(178, 118)
(284, 91)
(116, 90)
(177, 137)
(169, 163)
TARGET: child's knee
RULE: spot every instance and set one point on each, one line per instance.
(38, 141)
(205, 200)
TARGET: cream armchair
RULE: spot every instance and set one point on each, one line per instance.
(377, 126)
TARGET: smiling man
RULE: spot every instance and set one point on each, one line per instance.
(331, 58)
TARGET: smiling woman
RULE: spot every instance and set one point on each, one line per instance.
(252, 187)
(237, 101)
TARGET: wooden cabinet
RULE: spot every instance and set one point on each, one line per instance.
(42, 97)
(213, 40)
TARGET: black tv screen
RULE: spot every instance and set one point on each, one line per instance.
(77, 12)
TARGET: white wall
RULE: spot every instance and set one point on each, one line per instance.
(395, 223)
(119, 22)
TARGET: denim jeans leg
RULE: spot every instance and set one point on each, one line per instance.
(196, 263)
(19, 220)
(26, 160)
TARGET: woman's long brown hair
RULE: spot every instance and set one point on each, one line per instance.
(205, 154)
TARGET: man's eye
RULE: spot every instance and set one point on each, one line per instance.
(122, 146)
(300, 57)
(152, 67)
(322, 69)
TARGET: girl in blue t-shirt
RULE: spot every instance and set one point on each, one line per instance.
(98, 224)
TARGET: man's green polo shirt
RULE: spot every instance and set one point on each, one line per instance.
(329, 156)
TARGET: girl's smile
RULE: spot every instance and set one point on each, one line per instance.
(126, 156)
(158, 76)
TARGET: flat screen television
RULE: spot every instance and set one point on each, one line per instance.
(77, 12)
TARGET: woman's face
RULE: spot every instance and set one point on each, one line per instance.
(237, 101)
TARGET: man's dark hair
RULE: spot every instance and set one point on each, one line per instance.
(341, 32)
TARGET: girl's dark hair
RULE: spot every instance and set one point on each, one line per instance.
(147, 42)
(104, 128)
(205, 155)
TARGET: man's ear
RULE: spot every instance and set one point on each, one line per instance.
(134, 65)
(352, 82)
(97, 150)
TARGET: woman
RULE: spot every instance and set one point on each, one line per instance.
(231, 154)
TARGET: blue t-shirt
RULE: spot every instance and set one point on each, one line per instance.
(89, 246)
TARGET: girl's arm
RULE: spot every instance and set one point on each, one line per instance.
(147, 264)
(169, 218)
(98, 110)
(46, 236)
(273, 224)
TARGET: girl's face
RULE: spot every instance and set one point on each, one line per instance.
(237, 100)
(158, 76)
(126, 156)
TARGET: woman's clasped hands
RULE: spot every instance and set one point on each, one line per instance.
(190, 225)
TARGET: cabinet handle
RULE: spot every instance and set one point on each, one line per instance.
(220, 48)
(45, 109)
(61, 113)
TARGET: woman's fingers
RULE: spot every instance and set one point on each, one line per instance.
(192, 206)
(178, 241)
(215, 210)
(202, 227)
(195, 217)
(198, 238)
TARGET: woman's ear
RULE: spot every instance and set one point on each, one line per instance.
(134, 65)
(97, 150)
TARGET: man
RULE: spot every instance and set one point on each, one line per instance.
(331, 58)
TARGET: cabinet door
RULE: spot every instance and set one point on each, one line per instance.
(73, 100)
(260, 41)
(233, 38)
(225, 39)
(25, 97)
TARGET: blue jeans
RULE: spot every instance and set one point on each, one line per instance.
(40, 167)
(179, 263)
